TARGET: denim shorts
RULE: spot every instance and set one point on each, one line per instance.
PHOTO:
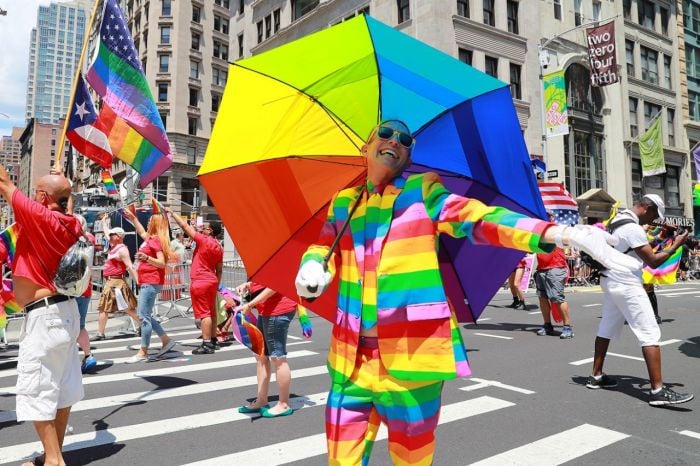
(274, 330)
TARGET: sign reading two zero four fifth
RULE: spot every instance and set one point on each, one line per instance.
(293, 120)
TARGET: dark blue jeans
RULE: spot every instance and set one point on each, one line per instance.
(274, 330)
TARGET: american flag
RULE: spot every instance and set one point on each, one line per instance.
(558, 201)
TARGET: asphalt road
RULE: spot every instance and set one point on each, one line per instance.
(525, 404)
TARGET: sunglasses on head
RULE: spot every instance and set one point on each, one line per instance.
(386, 133)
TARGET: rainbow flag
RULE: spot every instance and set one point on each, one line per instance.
(116, 75)
(245, 330)
(664, 274)
(157, 207)
(696, 194)
(8, 236)
(110, 186)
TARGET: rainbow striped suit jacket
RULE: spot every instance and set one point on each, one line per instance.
(418, 334)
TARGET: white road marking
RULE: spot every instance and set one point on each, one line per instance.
(315, 445)
(690, 433)
(482, 383)
(16, 453)
(122, 360)
(592, 305)
(167, 393)
(558, 448)
(167, 371)
(669, 342)
(590, 360)
(492, 336)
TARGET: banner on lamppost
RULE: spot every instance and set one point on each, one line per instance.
(555, 111)
(602, 54)
(651, 150)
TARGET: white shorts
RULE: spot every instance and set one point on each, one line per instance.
(48, 368)
(624, 302)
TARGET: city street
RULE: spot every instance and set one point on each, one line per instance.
(525, 404)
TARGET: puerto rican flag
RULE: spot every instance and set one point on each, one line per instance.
(558, 201)
(86, 138)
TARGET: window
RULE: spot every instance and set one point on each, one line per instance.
(663, 16)
(491, 66)
(276, 20)
(224, 26)
(215, 101)
(646, 13)
(634, 125)
(192, 155)
(404, 10)
(515, 86)
(650, 68)
(194, 97)
(627, 9)
(165, 34)
(557, 9)
(218, 77)
(651, 111)
(220, 50)
(512, 7)
(164, 63)
(192, 124)
(240, 45)
(166, 10)
(162, 92)
(596, 10)
(196, 14)
(194, 69)
(671, 120)
(463, 8)
(302, 7)
(578, 13)
(673, 198)
(260, 31)
(668, 82)
(195, 41)
(629, 57)
(694, 105)
(488, 13)
(241, 6)
(268, 26)
(465, 56)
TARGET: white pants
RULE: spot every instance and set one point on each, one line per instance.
(622, 301)
(48, 368)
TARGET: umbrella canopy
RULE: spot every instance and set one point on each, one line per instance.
(291, 125)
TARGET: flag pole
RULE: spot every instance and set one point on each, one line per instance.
(78, 70)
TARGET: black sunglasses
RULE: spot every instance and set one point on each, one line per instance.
(386, 133)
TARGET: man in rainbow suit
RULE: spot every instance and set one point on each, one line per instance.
(395, 338)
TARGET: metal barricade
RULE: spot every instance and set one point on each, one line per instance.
(175, 294)
(234, 274)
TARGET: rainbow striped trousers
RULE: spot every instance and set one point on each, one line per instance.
(371, 396)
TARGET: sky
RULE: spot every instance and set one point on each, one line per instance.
(15, 28)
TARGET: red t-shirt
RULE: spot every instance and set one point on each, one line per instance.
(207, 255)
(275, 305)
(113, 265)
(554, 260)
(43, 238)
(148, 273)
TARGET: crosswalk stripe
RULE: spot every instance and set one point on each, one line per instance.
(13, 372)
(160, 394)
(315, 445)
(172, 370)
(690, 433)
(558, 448)
(179, 331)
(482, 383)
(492, 336)
(676, 294)
(23, 451)
(663, 291)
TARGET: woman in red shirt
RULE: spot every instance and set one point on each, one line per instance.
(152, 257)
(275, 313)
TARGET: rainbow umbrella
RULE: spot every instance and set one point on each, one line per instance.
(291, 125)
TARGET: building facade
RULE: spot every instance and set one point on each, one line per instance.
(691, 89)
(55, 46)
(10, 150)
(39, 143)
(502, 38)
(184, 48)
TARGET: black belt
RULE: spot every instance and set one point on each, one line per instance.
(46, 302)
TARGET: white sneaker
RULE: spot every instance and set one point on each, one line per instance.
(171, 344)
(136, 358)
